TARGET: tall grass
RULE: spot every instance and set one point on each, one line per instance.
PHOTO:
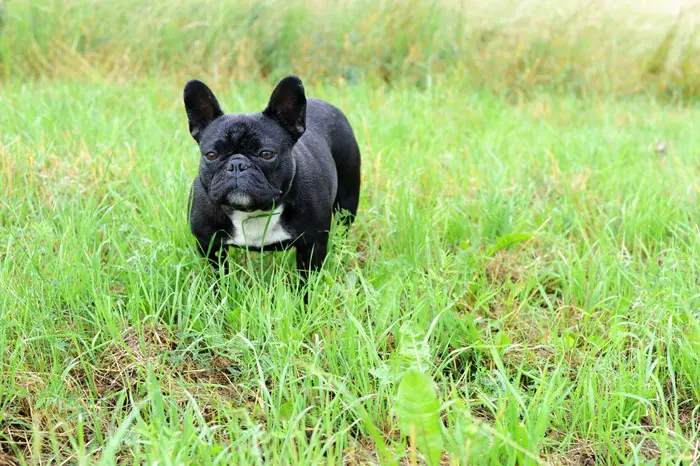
(578, 346)
(513, 46)
(532, 264)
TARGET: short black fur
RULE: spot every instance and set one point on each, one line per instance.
(297, 156)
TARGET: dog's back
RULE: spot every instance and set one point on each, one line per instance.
(330, 123)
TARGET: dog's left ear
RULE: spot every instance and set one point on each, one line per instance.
(288, 106)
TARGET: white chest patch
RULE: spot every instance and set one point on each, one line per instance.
(257, 229)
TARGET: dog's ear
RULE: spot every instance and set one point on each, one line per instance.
(202, 107)
(288, 106)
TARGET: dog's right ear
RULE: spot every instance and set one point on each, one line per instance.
(202, 107)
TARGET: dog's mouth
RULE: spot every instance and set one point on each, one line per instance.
(243, 193)
(238, 200)
(248, 201)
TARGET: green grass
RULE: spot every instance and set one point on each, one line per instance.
(577, 344)
(527, 241)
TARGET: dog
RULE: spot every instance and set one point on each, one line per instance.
(271, 180)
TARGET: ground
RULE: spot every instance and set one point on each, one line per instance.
(537, 256)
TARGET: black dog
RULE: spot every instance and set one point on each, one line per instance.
(271, 179)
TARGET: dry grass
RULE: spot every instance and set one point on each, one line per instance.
(121, 370)
(509, 46)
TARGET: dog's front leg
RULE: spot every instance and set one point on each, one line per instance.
(310, 256)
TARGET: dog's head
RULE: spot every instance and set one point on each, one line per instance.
(246, 159)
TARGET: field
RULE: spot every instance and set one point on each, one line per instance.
(522, 283)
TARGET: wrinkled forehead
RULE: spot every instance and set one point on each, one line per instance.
(241, 132)
(227, 131)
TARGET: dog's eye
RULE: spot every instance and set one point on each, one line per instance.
(267, 154)
(211, 155)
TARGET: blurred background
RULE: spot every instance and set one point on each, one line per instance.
(586, 46)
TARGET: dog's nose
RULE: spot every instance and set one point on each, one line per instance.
(238, 164)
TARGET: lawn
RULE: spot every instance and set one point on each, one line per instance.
(538, 260)
(521, 285)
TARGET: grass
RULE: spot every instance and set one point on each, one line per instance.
(526, 255)
(575, 345)
(582, 46)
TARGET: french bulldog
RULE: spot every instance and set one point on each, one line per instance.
(271, 180)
